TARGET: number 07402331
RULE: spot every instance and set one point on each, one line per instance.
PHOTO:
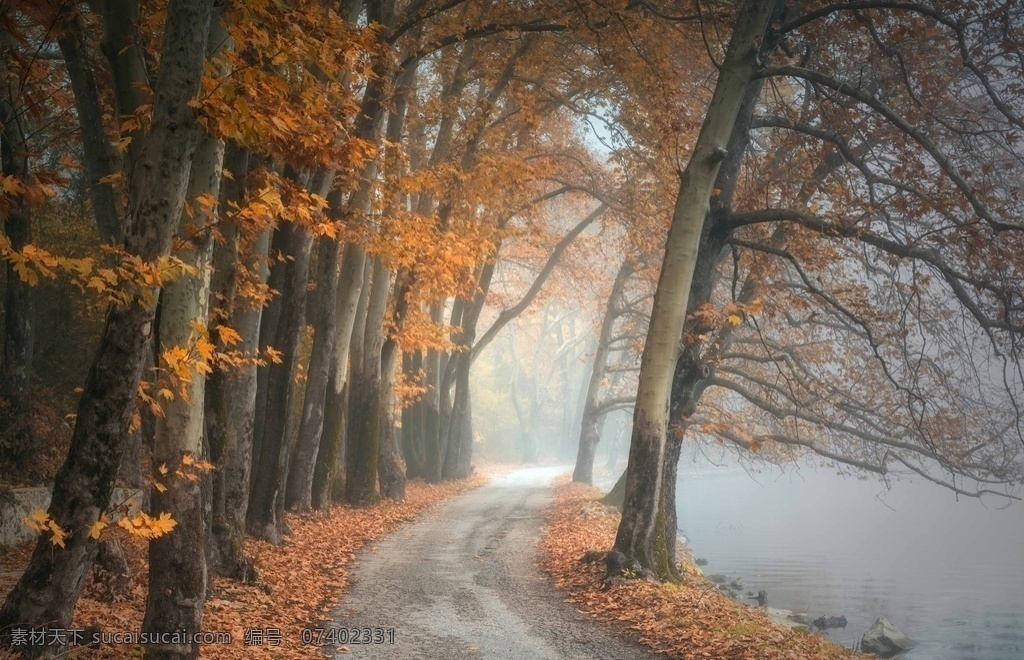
(335, 636)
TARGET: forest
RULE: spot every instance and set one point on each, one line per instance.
(272, 256)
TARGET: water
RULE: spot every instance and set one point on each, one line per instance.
(949, 573)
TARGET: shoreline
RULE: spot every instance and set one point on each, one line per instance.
(684, 620)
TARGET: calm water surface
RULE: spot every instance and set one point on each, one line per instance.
(949, 573)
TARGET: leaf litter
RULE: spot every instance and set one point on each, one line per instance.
(690, 620)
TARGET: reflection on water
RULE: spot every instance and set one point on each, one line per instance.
(948, 573)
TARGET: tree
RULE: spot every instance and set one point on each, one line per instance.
(636, 542)
(837, 284)
(14, 158)
(589, 435)
(47, 591)
(177, 562)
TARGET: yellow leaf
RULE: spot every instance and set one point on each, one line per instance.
(58, 534)
(206, 201)
(734, 319)
(163, 468)
(11, 185)
(160, 487)
(165, 523)
(37, 520)
(97, 529)
(228, 335)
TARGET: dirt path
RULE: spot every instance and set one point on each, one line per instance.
(462, 582)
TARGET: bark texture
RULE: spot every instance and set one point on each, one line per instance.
(230, 406)
(266, 501)
(177, 561)
(332, 443)
(307, 446)
(363, 447)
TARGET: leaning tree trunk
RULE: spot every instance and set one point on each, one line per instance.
(456, 438)
(98, 154)
(589, 436)
(641, 530)
(46, 594)
(457, 454)
(692, 369)
(177, 561)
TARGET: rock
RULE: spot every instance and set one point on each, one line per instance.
(827, 622)
(700, 561)
(885, 640)
(802, 619)
(718, 578)
(785, 618)
(619, 566)
(736, 583)
(761, 598)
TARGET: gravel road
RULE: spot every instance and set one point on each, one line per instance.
(463, 582)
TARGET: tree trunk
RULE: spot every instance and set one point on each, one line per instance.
(636, 545)
(266, 501)
(617, 494)
(457, 450)
(49, 588)
(99, 155)
(17, 357)
(413, 443)
(390, 468)
(231, 396)
(589, 436)
(300, 473)
(270, 319)
(177, 561)
(363, 436)
(329, 471)
(350, 288)
(692, 371)
(431, 432)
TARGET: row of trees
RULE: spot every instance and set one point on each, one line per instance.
(300, 207)
(303, 208)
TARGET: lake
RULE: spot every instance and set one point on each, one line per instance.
(948, 573)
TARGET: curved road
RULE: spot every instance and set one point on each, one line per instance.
(463, 582)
